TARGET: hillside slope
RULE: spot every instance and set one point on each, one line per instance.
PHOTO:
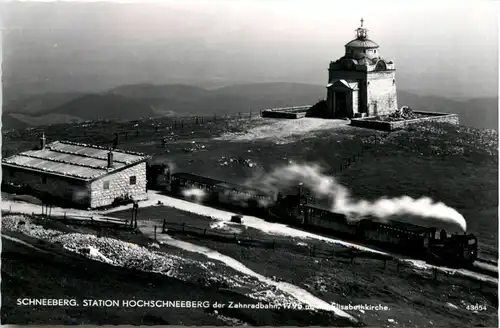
(39, 103)
(105, 106)
(9, 122)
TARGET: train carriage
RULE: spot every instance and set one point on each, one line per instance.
(184, 181)
(406, 236)
(242, 198)
(323, 218)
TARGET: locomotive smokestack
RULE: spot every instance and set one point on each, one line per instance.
(42, 141)
(110, 159)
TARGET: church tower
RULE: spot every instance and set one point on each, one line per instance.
(361, 83)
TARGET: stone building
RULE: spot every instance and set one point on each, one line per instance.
(361, 83)
(84, 175)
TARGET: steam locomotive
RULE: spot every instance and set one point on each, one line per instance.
(459, 250)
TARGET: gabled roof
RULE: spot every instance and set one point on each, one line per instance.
(74, 160)
(352, 85)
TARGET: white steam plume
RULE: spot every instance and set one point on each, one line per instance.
(243, 199)
(327, 187)
(171, 166)
(198, 195)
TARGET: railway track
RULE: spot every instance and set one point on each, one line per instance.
(490, 262)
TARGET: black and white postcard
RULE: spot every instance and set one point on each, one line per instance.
(250, 163)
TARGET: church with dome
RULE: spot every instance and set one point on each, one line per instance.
(361, 83)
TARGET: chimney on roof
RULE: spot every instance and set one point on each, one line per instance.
(110, 159)
(42, 141)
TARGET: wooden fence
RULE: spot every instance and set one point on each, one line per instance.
(326, 252)
(249, 241)
(102, 132)
(78, 219)
(365, 148)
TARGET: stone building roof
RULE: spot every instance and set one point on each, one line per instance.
(74, 160)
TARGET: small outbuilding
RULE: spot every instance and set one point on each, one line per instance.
(84, 175)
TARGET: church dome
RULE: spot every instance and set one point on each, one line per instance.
(362, 43)
(362, 47)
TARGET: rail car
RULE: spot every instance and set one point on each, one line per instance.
(222, 193)
(158, 176)
(421, 242)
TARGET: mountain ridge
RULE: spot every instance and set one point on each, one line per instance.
(134, 101)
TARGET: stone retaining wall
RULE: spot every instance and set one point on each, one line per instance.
(283, 114)
(286, 112)
(370, 123)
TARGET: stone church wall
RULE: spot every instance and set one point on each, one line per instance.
(381, 93)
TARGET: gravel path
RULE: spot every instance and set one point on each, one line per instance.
(285, 131)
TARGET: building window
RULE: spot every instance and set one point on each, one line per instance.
(44, 179)
(364, 51)
(106, 185)
(133, 180)
(11, 173)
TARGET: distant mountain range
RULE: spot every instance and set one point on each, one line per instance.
(131, 102)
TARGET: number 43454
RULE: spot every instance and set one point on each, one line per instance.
(476, 307)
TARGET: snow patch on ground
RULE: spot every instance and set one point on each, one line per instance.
(223, 225)
(298, 293)
(284, 130)
(96, 254)
(280, 292)
(422, 265)
(249, 221)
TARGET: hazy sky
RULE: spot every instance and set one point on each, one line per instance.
(439, 47)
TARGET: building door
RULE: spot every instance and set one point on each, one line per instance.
(341, 104)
